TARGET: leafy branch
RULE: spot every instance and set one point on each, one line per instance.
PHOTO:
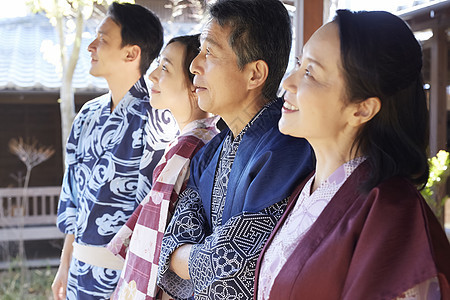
(434, 191)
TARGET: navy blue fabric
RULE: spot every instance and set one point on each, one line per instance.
(267, 167)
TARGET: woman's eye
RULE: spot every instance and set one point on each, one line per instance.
(208, 51)
(298, 62)
(164, 68)
(307, 73)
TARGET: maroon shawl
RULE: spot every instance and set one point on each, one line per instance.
(373, 245)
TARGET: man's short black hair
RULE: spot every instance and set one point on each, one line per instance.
(141, 27)
(260, 30)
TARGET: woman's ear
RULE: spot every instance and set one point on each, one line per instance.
(366, 110)
(259, 70)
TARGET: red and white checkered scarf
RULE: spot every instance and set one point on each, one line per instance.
(138, 242)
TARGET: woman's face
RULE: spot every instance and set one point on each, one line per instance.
(170, 89)
(315, 90)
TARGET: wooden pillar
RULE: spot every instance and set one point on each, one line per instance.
(438, 93)
(308, 18)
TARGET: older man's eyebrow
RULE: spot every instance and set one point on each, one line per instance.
(210, 40)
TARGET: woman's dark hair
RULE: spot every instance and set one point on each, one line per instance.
(192, 45)
(381, 58)
(141, 27)
(260, 29)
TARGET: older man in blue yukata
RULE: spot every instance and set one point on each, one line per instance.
(240, 180)
(116, 141)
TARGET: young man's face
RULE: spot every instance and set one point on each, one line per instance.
(106, 52)
(220, 85)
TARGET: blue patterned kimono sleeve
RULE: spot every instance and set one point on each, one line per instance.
(67, 207)
(222, 265)
(187, 226)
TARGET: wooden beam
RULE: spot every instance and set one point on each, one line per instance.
(313, 17)
(308, 18)
(30, 233)
(417, 25)
(39, 97)
(438, 94)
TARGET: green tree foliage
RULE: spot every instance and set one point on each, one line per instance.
(434, 191)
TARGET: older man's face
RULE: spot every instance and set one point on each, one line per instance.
(219, 83)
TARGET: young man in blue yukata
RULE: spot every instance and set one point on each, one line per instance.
(240, 181)
(116, 141)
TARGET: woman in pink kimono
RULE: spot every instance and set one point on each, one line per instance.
(138, 242)
(358, 227)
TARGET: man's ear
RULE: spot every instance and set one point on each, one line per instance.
(258, 71)
(365, 111)
(133, 53)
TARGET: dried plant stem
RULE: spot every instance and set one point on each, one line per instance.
(31, 155)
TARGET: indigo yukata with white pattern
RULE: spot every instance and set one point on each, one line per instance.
(110, 157)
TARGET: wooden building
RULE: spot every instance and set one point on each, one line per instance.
(30, 82)
(29, 108)
(431, 19)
